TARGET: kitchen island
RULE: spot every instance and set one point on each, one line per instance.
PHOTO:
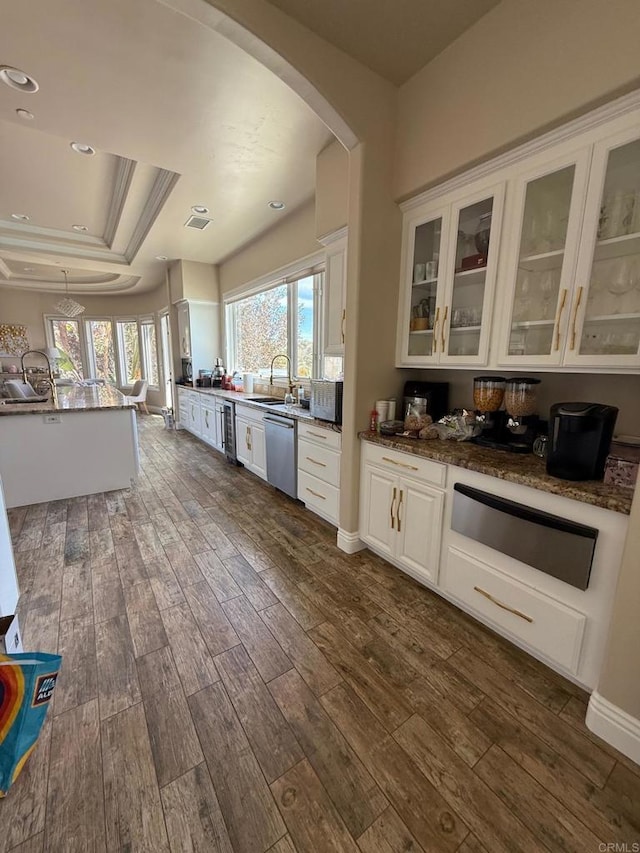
(86, 442)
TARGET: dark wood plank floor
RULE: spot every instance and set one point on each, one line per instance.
(234, 682)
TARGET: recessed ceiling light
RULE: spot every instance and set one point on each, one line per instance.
(199, 208)
(81, 148)
(25, 114)
(18, 79)
(277, 205)
(28, 269)
(79, 227)
(161, 258)
(21, 217)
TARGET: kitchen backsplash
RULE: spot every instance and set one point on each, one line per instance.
(612, 389)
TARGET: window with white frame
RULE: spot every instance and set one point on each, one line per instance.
(118, 350)
(283, 318)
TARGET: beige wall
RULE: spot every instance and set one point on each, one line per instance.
(29, 307)
(332, 189)
(523, 67)
(291, 238)
(193, 280)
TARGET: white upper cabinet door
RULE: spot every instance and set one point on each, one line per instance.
(462, 335)
(604, 324)
(448, 279)
(422, 283)
(184, 330)
(334, 300)
(541, 246)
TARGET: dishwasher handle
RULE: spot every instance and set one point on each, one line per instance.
(281, 422)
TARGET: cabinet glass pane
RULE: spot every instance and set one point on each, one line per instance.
(467, 296)
(426, 256)
(612, 313)
(541, 255)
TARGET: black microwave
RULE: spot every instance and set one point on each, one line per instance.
(326, 400)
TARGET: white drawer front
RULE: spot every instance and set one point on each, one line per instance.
(542, 623)
(321, 462)
(320, 435)
(249, 413)
(319, 496)
(406, 464)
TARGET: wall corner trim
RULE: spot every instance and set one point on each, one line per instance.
(614, 726)
(350, 543)
(334, 236)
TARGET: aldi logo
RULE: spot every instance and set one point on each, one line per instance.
(44, 689)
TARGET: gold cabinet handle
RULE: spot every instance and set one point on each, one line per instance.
(206, 417)
(575, 317)
(398, 512)
(563, 302)
(399, 464)
(316, 435)
(315, 462)
(434, 346)
(393, 500)
(444, 325)
(503, 606)
(316, 494)
(344, 314)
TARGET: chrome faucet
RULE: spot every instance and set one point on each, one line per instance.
(50, 378)
(289, 377)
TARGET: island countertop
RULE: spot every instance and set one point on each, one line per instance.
(523, 468)
(73, 399)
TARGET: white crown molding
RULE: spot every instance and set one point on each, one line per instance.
(275, 277)
(118, 285)
(19, 246)
(565, 133)
(614, 725)
(350, 543)
(72, 238)
(334, 236)
(121, 186)
(160, 191)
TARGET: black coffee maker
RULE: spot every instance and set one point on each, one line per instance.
(579, 440)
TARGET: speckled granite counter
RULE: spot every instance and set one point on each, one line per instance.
(253, 400)
(525, 469)
(73, 399)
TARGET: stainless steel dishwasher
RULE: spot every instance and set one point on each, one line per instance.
(281, 453)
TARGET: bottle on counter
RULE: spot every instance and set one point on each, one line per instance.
(373, 420)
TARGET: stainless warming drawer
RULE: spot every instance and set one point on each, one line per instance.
(561, 548)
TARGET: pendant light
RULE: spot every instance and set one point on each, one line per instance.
(67, 306)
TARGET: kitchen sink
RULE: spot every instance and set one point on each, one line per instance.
(269, 400)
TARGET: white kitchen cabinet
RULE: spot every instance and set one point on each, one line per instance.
(565, 267)
(335, 292)
(199, 333)
(402, 504)
(184, 329)
(448, 278)
(250, 440)
(183, 420)
(219, 431)
(194, 413)
(208, 421)
(319, 452)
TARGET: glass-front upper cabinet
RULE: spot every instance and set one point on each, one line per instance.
(542, 250)
(604, 328)
(449, 278)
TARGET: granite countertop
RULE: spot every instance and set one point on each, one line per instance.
(523, 468)
(253, 400)
(73, 399)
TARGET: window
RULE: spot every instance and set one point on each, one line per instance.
(282, 319)
(65, 336)
(129, 351)
(89, 349)
(101, 351)
(149, 352)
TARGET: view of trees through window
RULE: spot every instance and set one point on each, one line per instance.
(100, 332)
(129, 351)
(66, 339)
(149, 352)
(261, 330)
(304, 311)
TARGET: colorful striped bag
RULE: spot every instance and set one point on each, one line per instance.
(26, 687)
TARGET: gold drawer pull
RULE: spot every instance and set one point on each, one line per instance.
(315, 462)
(393, 500)
(434, 346)
(398, 511)
(563, 302)
(400, 464)
(444, 326)
(503, 606)
(317, 494)
(316, 435)
(575, 318)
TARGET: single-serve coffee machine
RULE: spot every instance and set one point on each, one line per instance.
(515, 427)
(579, 440)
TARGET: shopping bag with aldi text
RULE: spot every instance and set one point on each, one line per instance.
(26, 687)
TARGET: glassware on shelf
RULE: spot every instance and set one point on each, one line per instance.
(547, 288)
(617, 215)
(523, 300)
(483, 235)
(621, 282)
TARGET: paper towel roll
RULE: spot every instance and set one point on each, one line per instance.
(247, 383)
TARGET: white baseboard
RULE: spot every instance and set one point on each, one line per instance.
(614, 725)
(350, 543)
